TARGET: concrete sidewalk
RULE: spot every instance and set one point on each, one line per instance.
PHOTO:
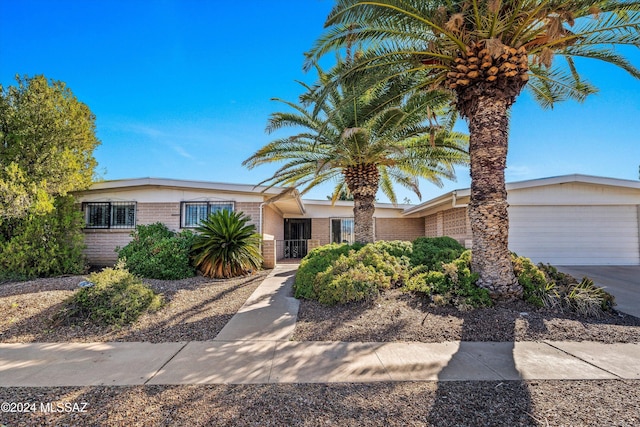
(255, 362)
(255, 347)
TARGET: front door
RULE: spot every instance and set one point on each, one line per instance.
(297, 231)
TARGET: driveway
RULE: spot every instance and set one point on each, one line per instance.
(623, 281)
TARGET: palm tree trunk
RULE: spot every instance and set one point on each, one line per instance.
(488, 140)
(363, 209)
(362, 182)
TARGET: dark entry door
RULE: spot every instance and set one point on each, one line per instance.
(297, 231)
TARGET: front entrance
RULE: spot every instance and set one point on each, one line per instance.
(297, 232)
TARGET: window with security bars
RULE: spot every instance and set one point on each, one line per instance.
(342, 230)
(109, 214)
(194, 212)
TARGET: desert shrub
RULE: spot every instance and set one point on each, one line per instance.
(43, 245)
(397, 248)
(226, 246)
(358, 275)
(428, 282)
(537, 289)
(434, 251)
(358, 282)
(117, 298)
(545, 286)
(587, 299)
(454, 284)
(317, 261)
(158, 253)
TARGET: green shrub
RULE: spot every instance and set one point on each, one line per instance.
(537, 289)
(340, 285)
(358, 275)
(588, 299)
(43, 245)
(545, 286)
(227, 246)
(428, 282)
(158, 253)
(117, 298)
(455, 284)
(317, 261)
(337, 274)
(434, 251)
(397, 248)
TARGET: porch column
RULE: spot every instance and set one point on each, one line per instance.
(269, 253)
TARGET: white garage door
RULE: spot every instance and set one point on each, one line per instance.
(575, 235)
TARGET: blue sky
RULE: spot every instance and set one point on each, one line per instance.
(182, 88)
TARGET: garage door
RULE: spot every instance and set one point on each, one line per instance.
(575, 235)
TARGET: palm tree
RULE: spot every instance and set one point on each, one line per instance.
(365, 138)
(485, 53)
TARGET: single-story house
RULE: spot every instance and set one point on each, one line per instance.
(565, 220)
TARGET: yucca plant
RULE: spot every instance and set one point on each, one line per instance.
(226, 246)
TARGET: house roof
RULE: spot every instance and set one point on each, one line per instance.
(179, 183)
(287, 199)
(451, 197)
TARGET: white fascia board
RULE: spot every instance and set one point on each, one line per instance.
(564, 179)
(177, 183)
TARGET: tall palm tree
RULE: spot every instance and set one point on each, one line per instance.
(364, 137)
(485, 53)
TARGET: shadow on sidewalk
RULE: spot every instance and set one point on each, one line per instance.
(481, 402)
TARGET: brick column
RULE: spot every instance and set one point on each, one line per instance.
(312, 244)
(269, 253)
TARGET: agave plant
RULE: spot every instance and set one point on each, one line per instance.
(226, 246)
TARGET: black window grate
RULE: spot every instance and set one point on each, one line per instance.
(109, 214)
(193, 213)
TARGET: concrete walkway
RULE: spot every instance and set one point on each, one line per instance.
(255, 347)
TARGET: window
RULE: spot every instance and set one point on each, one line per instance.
(109, 214)
(342, 230)
(194, 212)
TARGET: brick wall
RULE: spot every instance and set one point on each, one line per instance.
(269, 253)
(431, 226)
(273, 223)
(101, 245)
(251, 209)
(452, 222)
(399, 228)
(320, 230)
(166, 213)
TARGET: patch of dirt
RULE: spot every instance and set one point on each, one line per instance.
(398, 316)
(463, 403)
(197, 309)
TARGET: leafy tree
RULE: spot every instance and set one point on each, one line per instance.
(485, 53)
(365, 137)
(42, 245)
(226, 246)
(47, 138)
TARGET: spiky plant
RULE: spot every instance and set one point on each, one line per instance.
(364, 137)
(226, 246)
(485, 53)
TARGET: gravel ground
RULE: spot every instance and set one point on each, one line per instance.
(197, 309)
(488, 403)
(396, 316)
